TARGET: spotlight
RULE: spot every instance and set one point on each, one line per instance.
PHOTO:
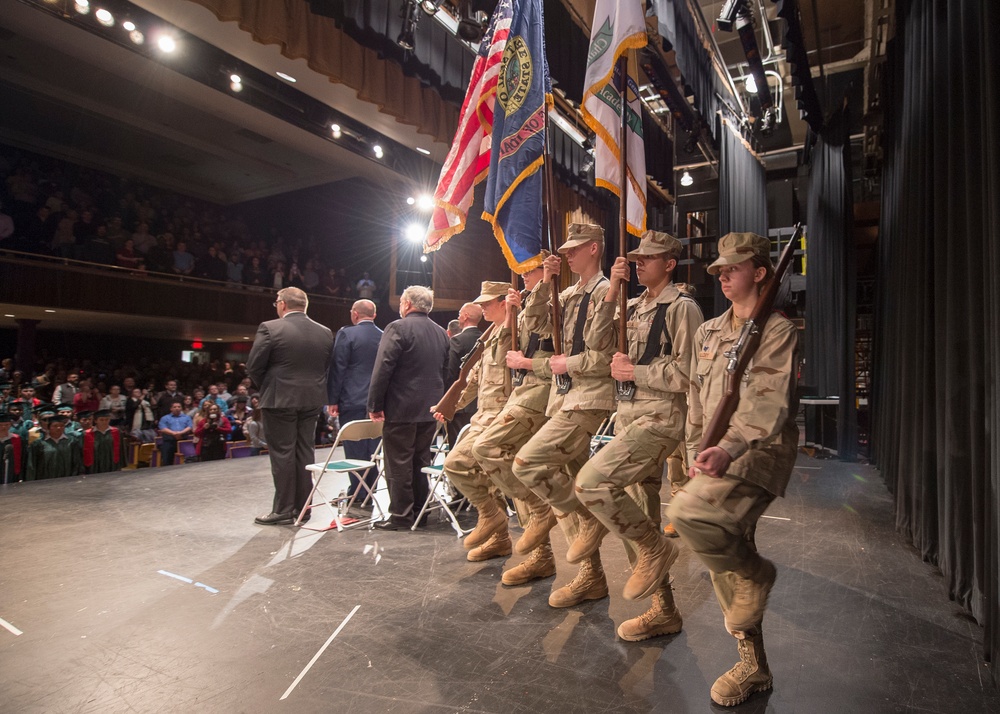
(730, 11)
(414, 233)
(423, 259)
(686, 179)
(166, 43)
(128, 26)
(235, 78)
(472, 26)
(750, 83)
(425, 202)
(410, 18)
(137, 37)
(105, 18)
(337, 133)
(429, 7)
(410, 200)
(422, 150)
(236, 86)
(82, 6)
(378, 151)
(286, 77)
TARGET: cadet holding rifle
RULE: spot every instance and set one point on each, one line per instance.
(490, 538)
(737, 472)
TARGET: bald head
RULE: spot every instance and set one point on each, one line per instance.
(470, 315)
(362, 310)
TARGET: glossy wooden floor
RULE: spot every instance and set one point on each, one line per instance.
(153, 591)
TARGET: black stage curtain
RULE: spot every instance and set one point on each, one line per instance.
(936, 421)
(831, 280)
(742, 191)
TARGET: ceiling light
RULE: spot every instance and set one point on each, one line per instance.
(105, 18)
(414, 233)
(166, 43)
(235, 78)
(686, 179)
(50, 311)
(337, 133)
(423, 151)
(246, 338)
(128, 26)
(410, 200)
(425, 202)
(236, 86)
(423, 259)
(750, 83)
(286, 77)
(137, 37)
(82, 6)
(378, 151)
(8, 316)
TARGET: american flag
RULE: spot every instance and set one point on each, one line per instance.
(468, 161)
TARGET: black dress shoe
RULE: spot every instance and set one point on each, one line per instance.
(275, 519)
(389, 526)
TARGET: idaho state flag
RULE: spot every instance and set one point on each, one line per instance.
(513, 201)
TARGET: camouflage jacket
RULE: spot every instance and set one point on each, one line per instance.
(590, 370)
(533, 393)
(486, 380)
(663, 384)
(762, 437)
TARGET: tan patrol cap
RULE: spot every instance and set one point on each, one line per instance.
(655, 243)
(736, 247)
(580, 233)
(491, 291)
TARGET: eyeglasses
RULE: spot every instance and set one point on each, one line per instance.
(277, 301)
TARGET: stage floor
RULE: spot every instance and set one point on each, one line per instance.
(93, 570)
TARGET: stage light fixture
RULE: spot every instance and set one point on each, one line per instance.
(286, 77)
(336, 130)
(429, 7)
(235, 78)
(377, 150)
(422, 150)
(166, 43)
(472, 26)
(686, 179)
(128, 26)
(137, 37)
(423, 259)
(105, 18)
(730, 11)
(236, 86)
(82, 6)
(414, 233)
(407, 32)
(750, 83)
(425, 202)
(410, 200)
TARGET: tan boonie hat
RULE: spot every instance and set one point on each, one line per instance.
(492, 291)
(580, 233)
(656, 243)
(736, 247)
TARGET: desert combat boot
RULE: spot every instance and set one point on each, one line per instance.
(589, 584)
(497, 546)
(492, 519)
(662, 618)
(750, 591)
(655, 556)
(747, 676)
(541, 522)
(588, 540)
(539, 564)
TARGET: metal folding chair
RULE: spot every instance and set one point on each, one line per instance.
(352, 431)
(604, 434)
(441, 494)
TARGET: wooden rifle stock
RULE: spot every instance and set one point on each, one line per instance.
(745, 348)
(448, 404)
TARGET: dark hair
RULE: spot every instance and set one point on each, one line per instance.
(761, 262)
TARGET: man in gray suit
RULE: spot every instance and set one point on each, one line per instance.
(408, 380)
(289, 363)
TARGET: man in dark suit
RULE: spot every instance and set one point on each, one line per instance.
(354, 353)
(289, 363)
(408, 380)
(460, 345)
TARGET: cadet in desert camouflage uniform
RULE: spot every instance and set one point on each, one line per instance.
(548, 463)
(621, 483)
(523, 415)
(490, 538)
(733, 483)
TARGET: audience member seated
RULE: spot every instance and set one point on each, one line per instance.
(174, 426)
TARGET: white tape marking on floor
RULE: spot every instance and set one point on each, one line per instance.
(317, 655)
(10, 627)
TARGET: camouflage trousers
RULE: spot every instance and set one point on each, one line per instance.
(677, 473)
(462, 467)
(497, 445)
(713, 516)
(548, 463)
(620, 485)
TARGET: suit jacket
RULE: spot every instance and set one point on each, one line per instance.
(409, 369)
(459, 346)
(354, 353)
(289, 362)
